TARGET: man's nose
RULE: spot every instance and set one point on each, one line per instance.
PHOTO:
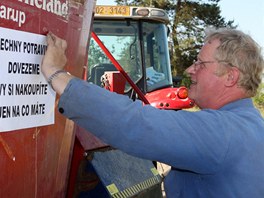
(190, 69)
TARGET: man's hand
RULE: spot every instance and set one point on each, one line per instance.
(55, 58)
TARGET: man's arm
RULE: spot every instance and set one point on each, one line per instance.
(165, 136)
(54, 61)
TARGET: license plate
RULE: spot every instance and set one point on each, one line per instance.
(113, 10)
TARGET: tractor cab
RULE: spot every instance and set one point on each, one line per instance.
(137, 38)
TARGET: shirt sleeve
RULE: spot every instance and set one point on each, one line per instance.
(182, 139)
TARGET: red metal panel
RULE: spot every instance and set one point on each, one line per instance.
(88, 140)
(114, 82)
(35, 162)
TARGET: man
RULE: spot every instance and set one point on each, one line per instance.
(215, 152)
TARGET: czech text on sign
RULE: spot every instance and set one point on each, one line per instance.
(26, 100)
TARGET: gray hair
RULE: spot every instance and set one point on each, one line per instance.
(238, 49)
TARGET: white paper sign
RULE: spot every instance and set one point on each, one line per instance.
(26, 100)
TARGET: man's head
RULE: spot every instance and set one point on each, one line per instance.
(228, 67)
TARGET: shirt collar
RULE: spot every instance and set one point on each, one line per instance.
(246, 102)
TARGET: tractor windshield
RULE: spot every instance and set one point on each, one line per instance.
(139, 47)
(156, 56)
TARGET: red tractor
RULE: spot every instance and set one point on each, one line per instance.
(134, 42)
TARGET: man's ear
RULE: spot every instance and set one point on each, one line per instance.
(232, 77)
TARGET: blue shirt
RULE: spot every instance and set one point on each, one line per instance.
(214, 153)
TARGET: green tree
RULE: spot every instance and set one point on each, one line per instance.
(189, 19)
(259, 98)
(96, 55)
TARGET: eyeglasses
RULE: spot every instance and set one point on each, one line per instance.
(201, 64)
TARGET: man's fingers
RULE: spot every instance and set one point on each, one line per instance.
(50, 39)
(53, 39)
(64, 45)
